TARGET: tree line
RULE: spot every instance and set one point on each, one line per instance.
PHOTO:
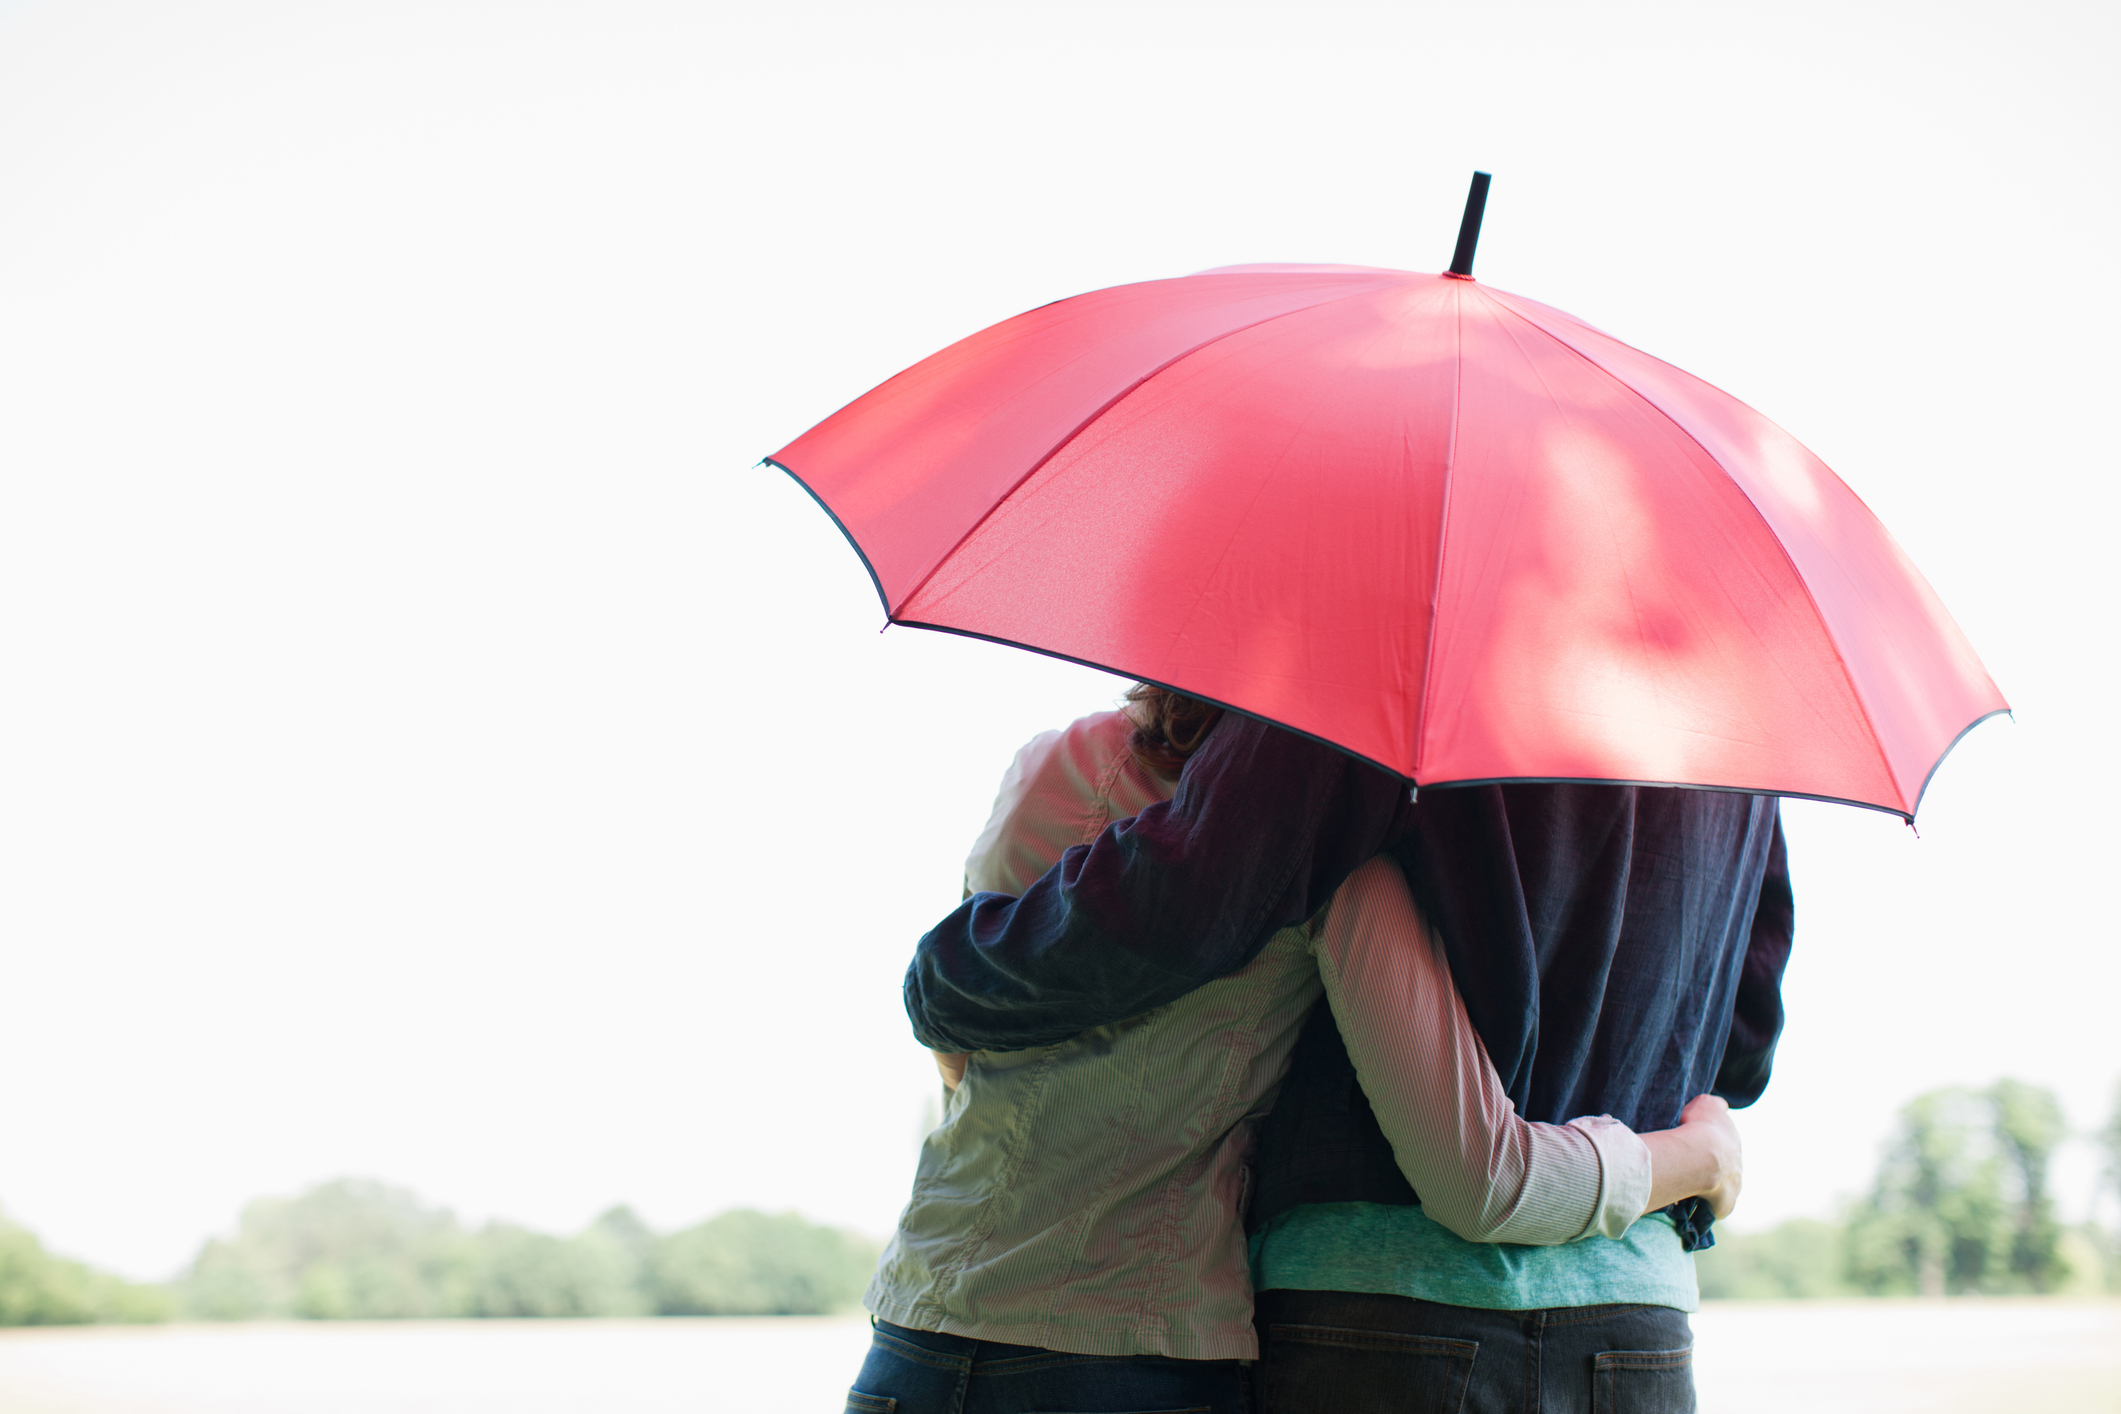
(355, 1249)
(39, 1289)
(1959, 1207)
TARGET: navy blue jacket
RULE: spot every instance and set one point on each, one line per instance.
(1619, 949)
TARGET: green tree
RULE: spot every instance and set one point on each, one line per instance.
(1936, 1209)
(1961, 1203)
(524, 1273)
(2108, 1244)
(39, 1289)
(624, 1226)
(1802, 1257)
(352, 1248)
(2109, 1139)
(748, 1263)
(2029, 1124)
(633, 1241)
(358, 1249)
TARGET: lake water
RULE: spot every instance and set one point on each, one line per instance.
(1886, 1357)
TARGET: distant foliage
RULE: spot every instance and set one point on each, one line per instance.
(1961, 1203)
(355, 1249)
(744, 1262)
(38, 1289)
(1803, 1257)
(349, 1249)
(2109, 1139)
(523, 1273)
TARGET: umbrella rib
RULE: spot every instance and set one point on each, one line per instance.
(1058, 447)
(1562, 416)
(1182, 621)
(1826, 626)
(1443, 530)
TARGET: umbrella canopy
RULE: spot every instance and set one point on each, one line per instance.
(1450, 530)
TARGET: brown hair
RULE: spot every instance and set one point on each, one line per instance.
(1168, 727)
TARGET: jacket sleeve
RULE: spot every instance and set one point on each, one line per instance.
(1481, 1170)
(1264, 827)
(1756, 1015)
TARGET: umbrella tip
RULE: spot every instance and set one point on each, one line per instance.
(1469, 228)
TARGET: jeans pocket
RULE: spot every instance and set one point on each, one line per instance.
(901, 1376)
(1337, 1370)
(1643, 1382)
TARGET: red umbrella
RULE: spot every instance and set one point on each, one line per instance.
(1450, 530)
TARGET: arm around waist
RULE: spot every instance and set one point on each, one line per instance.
(1480, 1170)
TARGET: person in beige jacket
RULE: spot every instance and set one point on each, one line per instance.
(1085, 1200)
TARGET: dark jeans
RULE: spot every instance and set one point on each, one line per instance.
(927, 1372)
(1331, 1352)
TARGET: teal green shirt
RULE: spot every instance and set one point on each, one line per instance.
(1391, 1250)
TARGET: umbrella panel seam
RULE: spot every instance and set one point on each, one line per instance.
(1443, 530)
(1114, 401)
(1501, 300)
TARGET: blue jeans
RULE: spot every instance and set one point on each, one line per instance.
(1332, 1352)
(927, 1372)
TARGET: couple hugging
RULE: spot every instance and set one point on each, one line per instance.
(1168, 1179)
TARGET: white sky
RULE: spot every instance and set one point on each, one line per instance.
(429, 749)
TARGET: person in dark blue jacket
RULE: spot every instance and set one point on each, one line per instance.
(1618, 948)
